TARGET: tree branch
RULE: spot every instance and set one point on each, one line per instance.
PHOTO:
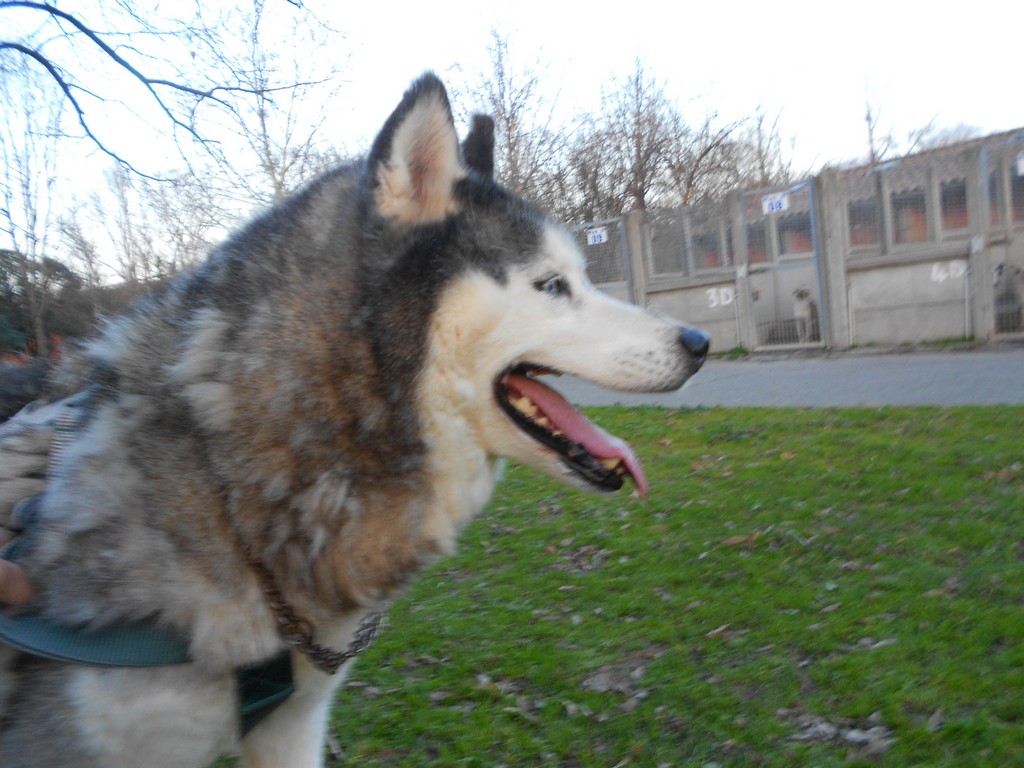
(151, 84)
(65, 87)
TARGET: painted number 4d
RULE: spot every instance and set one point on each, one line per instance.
(951, 270)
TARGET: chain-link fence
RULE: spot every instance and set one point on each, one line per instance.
(690, 241)
(1003, 166)
(604, 247)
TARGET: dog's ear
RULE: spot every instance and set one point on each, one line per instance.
(478, 147)
(415, 160)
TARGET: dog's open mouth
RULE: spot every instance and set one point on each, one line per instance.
(601, 459)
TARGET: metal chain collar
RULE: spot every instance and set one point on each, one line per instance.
(298, 632)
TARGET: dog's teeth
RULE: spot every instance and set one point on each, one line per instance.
(525, 405)
(612, 463)
(543, 421)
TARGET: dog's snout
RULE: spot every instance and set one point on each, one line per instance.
(697, 343)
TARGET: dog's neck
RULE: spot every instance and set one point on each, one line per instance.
(463, 477)
(461, 473)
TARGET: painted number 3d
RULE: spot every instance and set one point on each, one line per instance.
(721, 297)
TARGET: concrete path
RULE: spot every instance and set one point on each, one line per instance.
(985, 377)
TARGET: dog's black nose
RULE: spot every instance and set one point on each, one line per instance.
(696, 343)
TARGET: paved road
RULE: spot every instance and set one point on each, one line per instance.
(989, 376)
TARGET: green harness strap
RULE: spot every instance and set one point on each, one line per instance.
(124, 645)
(261, 687)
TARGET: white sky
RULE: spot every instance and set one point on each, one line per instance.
(816, 62)
(813, 63)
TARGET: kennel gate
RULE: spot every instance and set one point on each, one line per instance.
(1002, 168)
(783, 266)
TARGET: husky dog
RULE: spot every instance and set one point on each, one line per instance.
(269, 449)
(805, 313)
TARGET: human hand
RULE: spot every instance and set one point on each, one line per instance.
(14, 585)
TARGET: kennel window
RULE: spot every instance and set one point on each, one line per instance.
(1017, 194)
(910, 216)
(794, 233)
(995, 200)
(953, 199)
(707, 253)
(863, 222)
(757, 243)
(668, 246)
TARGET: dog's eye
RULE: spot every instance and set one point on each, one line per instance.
(553, 286)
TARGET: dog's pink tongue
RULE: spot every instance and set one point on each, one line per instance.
(575, 426)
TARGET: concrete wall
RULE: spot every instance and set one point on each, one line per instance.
(908, 303)
(941, 257)
(711, 306)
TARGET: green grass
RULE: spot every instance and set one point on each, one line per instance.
(794, 578)
(736, 353)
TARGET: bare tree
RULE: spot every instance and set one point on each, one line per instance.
(619, 158)
(28, 153)
(703, 163)
(84, 253)
(98, 297)
(149, 230)
(527, 142)
(152, 230)
(882, 142)
(645, 129)
(184, 71)
(92, 66)
(641, 153)
(129, 230)
(933, 136)
(190, 79)
(758, 153)
(283, 104)
(883, 145)
(189, 217)
(587, 191)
